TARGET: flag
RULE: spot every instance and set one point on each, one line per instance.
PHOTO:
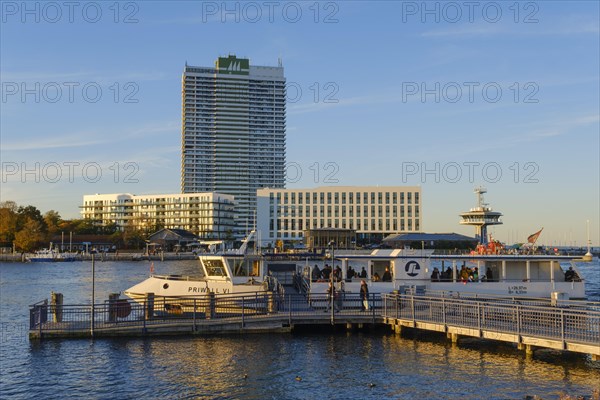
(533, 238)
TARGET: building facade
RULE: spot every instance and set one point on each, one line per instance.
(233, 132)
(207, 215)
(372, 211)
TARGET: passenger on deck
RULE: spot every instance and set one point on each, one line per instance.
(316, 273)
(326, 272)
(387, 276)
(376, 277)
(571, 275)
(435, 275)
(464, 274)
(350, 273)
(363, 273)
(489, 276)
(447, 275)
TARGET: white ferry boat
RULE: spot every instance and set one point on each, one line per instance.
(539, 276)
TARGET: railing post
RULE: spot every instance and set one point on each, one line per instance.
(412, 303)
(398, 299)
(145, 311)
(444, 311)
(290, 310)
(194, 317)
(562, 327)
(479, 317)
(243, 310)
(518, 323)
(373, 308)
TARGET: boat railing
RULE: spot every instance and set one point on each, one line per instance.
(175, 277)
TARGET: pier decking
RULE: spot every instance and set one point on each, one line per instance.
(568, 325)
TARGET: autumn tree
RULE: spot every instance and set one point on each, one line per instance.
(52, 219)
(8, 221)
(31, 236)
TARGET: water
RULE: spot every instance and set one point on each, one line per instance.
(331, 365)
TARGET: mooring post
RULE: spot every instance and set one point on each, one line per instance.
(270, 303)
(210, 311)
(56, 305)
(149, 305)
(113, 300)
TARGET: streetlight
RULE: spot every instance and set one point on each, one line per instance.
(332, 298)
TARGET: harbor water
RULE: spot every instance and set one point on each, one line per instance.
(302, 365)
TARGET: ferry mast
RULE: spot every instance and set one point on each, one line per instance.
(481, 216)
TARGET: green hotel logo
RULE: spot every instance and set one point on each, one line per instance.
(233, 65)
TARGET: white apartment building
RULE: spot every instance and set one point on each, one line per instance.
(373, 211)
(208, 215)
(233, 132)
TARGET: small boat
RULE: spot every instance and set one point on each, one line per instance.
(223, 275)
(44, 255)
(234, 273)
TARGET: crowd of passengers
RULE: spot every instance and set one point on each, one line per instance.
(325, 274)
(464, 275)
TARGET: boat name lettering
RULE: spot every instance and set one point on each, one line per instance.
(193, 289)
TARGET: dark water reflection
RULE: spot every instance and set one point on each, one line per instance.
(337, 365)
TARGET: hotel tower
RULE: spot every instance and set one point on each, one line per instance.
(233, 132)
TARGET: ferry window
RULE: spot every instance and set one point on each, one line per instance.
(214, 268)
(241, 267)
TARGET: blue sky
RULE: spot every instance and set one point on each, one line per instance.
(380, 93)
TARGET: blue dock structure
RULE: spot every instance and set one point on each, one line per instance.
(572, 326)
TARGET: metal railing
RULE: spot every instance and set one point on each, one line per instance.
(125, 314)
(570, 323)
(567, 324)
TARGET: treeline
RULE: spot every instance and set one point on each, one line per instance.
(28, 229)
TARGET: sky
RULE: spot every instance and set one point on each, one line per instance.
(448, 96)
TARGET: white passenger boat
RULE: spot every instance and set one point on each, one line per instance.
(224, 274)
(49, 255)
(540, 276)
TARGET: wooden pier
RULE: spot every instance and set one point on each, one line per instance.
(568, 325)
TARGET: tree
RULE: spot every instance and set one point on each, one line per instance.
(8, 224)
(52, 219)
(31, 236)
(30, 212)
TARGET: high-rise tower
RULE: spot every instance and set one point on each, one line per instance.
(233, 132)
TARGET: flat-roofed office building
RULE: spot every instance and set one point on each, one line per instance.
(372, 211)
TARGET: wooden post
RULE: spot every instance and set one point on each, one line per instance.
(113, 299)
(209, 311)
(149, 302)
(270, 302)
(56, 305)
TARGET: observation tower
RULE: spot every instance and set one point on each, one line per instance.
(481, 216)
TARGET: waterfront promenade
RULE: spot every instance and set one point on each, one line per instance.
(572, 326)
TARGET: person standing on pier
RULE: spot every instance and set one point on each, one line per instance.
(331, 298)
(364, 295)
